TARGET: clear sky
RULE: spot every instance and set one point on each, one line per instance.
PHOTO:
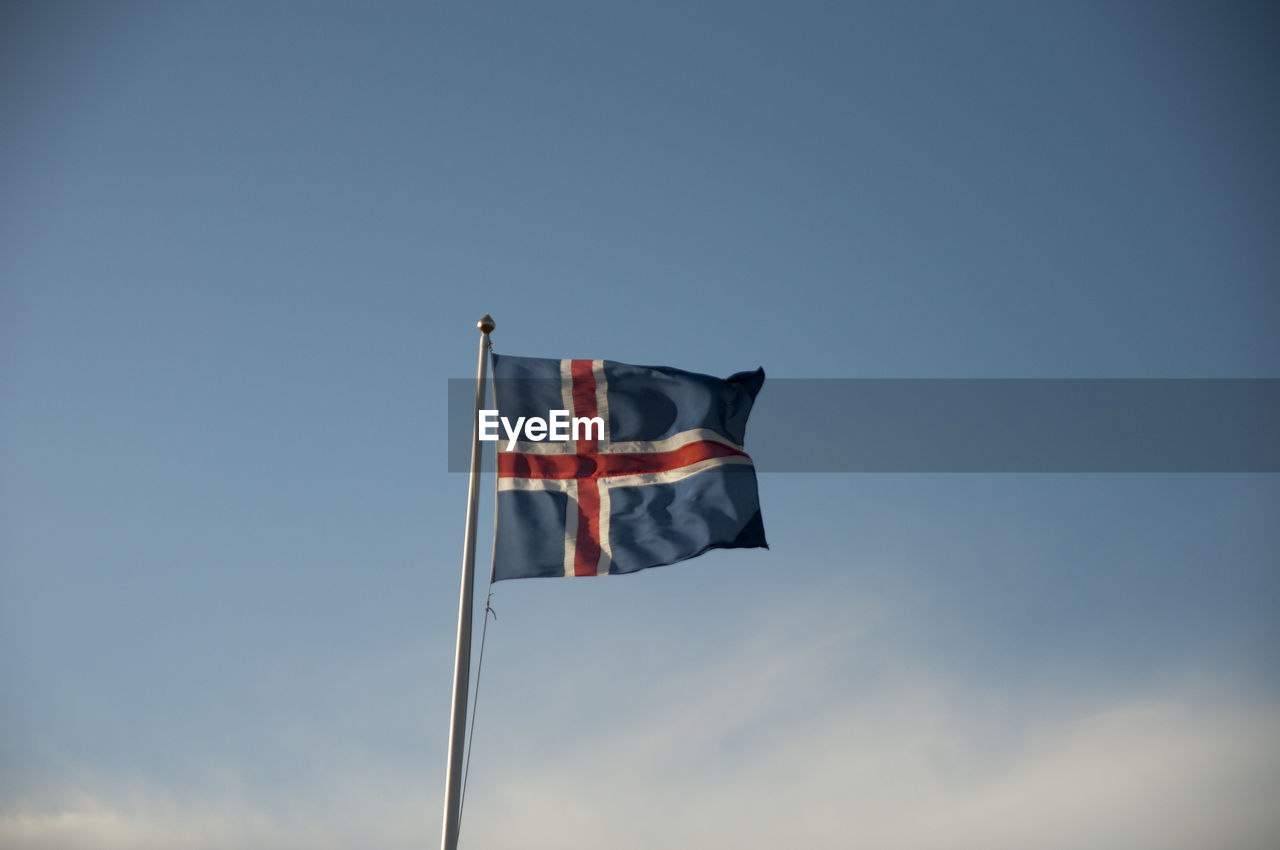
(243, 247)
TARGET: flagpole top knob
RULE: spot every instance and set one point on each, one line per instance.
(486, 324)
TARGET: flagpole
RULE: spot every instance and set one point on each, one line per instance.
(462, 663)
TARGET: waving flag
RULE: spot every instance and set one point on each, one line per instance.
(653, 472)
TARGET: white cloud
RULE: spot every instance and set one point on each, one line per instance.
(359, 810)
(772, 743)
(778, 746)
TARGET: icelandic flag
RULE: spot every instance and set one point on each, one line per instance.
(662, 476)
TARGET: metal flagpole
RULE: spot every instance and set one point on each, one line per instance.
(462, 665)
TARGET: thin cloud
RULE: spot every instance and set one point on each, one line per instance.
(772, 742)
(912, 763)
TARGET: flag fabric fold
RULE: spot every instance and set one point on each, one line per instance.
(657, 474)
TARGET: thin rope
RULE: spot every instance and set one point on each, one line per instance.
(475, 702)
(484, 631)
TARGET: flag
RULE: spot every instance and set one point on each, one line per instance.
(653, 471)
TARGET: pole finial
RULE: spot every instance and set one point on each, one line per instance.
(486, 324)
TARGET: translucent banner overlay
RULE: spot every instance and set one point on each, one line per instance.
(990, 425)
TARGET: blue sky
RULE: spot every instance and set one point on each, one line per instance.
(243, 248)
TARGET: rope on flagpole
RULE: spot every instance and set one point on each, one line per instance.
(475, 700)
(484, 631)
